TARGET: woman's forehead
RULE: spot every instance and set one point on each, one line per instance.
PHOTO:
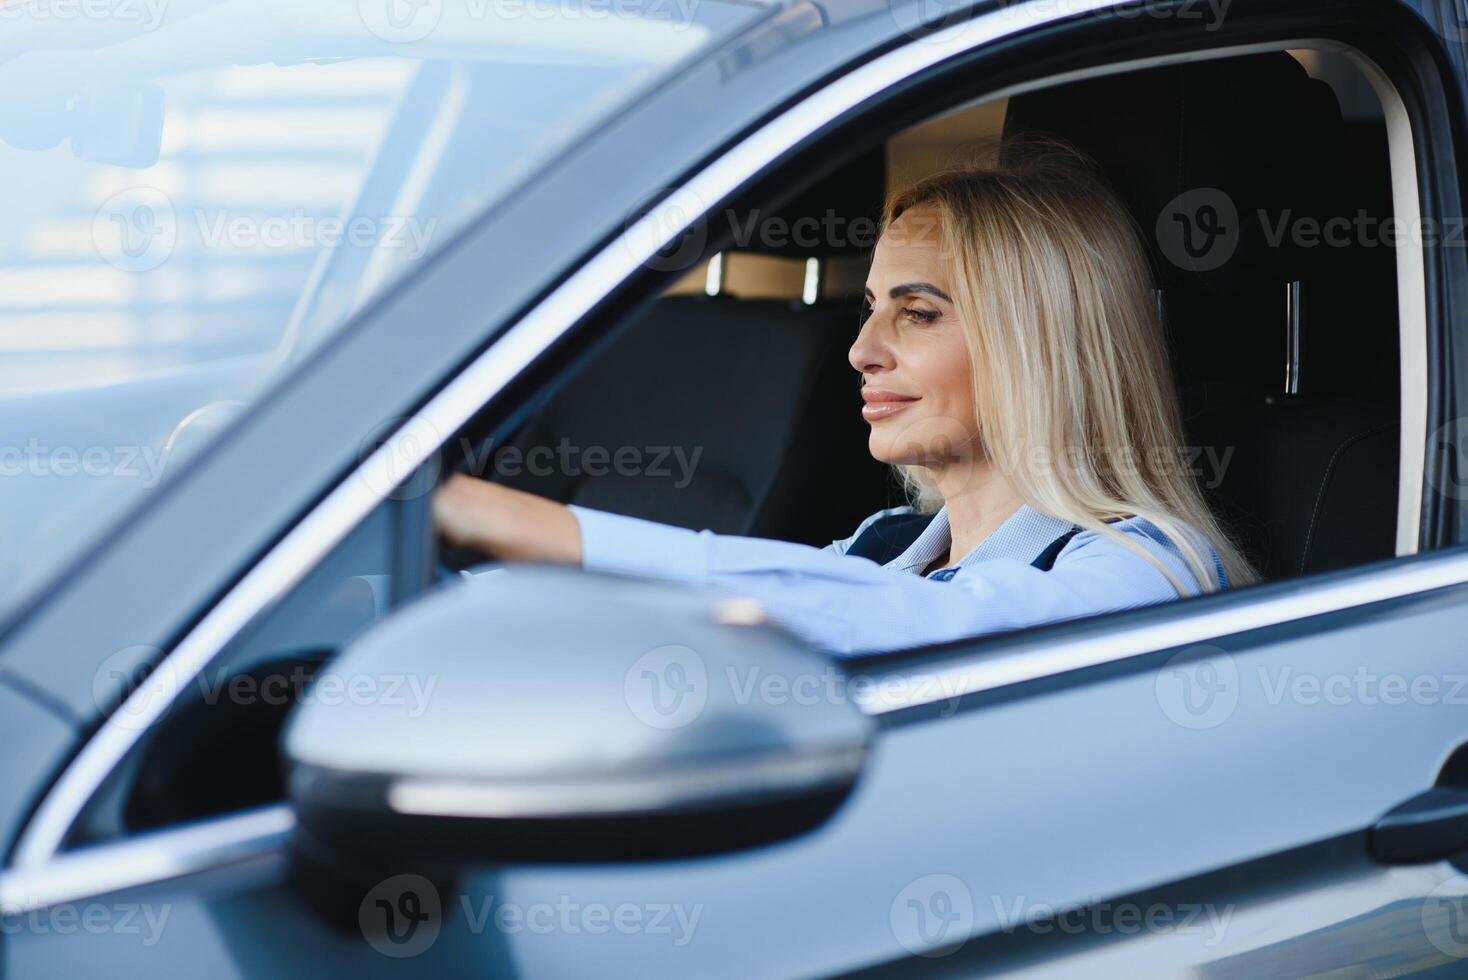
(909, 245)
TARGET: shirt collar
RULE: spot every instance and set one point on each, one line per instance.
(1023, 536)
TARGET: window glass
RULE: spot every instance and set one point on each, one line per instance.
(197, 195)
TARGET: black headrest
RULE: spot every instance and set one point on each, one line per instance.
(1212, 157)
(1258, 129)
(836, 215)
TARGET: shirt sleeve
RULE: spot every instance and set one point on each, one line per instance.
(848, 605)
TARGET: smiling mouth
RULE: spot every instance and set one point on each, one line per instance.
(881, 404)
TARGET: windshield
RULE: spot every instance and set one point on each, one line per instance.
(197, 192)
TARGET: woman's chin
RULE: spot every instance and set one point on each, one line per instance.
(884, 452)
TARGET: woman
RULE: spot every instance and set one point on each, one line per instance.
(1013, 372)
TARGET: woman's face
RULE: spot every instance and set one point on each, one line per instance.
(917, 387)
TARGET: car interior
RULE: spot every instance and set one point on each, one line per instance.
(1286, 356)
(1286, 359)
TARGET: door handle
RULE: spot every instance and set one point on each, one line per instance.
(1429, 827)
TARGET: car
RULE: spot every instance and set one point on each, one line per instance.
(275, 270)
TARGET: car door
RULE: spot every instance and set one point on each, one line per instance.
(1180, 787)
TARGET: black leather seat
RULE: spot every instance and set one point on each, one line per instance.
(756, 395)
(1310, 481)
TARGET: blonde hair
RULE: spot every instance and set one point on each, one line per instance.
(1072, 385)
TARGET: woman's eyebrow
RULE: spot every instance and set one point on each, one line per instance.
(910, 288)
(914, 287)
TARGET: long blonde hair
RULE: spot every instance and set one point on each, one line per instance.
(1072, 384)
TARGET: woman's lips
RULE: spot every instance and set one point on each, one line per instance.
(880, 403)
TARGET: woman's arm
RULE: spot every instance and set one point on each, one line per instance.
(848, 605)
(510, 525)
(840, 603)
(516, 526)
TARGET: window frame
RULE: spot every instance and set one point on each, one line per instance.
(932, 58)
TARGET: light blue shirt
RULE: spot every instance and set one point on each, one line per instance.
(846, 604)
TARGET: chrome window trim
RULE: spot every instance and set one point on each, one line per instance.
(895, 687)
(147, 858)
(38, 849)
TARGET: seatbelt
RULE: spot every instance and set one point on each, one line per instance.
(888, 537)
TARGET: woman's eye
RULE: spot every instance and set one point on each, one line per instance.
(921, 316)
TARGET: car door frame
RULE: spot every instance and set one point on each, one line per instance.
(924, 59)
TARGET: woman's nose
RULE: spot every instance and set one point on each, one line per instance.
(870, 352)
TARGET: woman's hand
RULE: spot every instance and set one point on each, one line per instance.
(506, 524)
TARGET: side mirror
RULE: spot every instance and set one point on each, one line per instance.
(544, 714)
